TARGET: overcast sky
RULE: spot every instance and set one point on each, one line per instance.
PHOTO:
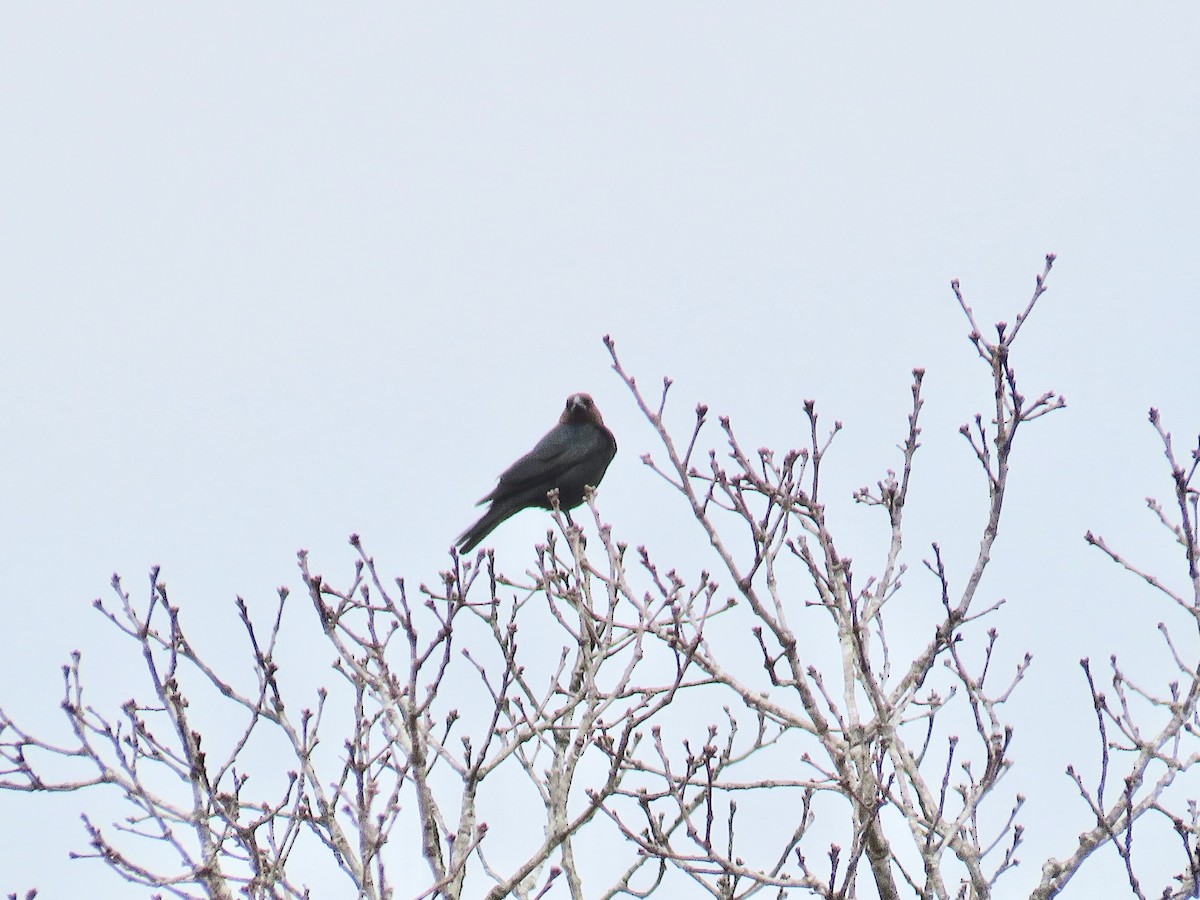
(275, 273)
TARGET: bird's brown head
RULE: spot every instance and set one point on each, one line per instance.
(581, 409)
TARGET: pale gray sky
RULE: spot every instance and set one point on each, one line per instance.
(274, 273)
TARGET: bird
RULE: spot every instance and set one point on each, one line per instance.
(572, 455)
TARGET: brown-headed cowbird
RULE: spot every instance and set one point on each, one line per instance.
(573, 454)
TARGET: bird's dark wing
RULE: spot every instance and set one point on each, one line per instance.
(562, 447)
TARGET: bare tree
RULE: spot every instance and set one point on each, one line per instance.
(554, 733)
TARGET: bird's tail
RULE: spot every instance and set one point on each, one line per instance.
(469, 539)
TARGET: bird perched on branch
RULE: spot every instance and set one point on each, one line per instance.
(574, 453)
